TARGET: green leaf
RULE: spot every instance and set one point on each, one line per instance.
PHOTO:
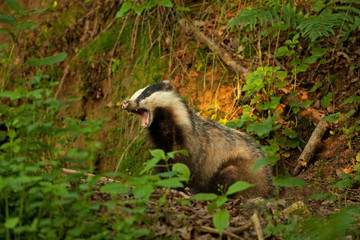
(326, 100)
(290, 133)
(319, 52)
(289, 182)
(316, 86)
(150, 164)
(281, 75)
(8, 20)
(182, 171)
(306, 104)
(158, 153)
(310, 60)
(333, 117)
(185, 9)
(25, 25)
(47, 60)
(237, 187)
(255, 99)
(138, 9)
(115, 188)
(170, 183)
(205, 196)
(272, 160)
(221, 219)
(281, 51)
(319, 196)
(125, 7)
(11, 223)
(302, 68)
(14, 5)
(143, 191)
(166, 3)
(354, 99)
(262, 128)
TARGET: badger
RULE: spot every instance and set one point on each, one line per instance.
(218, 156)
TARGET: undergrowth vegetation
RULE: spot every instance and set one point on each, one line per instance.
(140, 43)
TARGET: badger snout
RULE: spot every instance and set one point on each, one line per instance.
(124, 104)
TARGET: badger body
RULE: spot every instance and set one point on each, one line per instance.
(218, 156)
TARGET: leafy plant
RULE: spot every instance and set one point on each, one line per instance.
(221, 217)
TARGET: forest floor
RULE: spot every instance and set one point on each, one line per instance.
(336, 153)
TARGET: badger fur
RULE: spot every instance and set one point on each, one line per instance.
(218, 156)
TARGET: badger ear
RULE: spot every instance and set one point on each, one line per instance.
(167, 85)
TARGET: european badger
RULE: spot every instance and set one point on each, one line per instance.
(217, 155)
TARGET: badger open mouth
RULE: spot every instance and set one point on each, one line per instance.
(144, 116)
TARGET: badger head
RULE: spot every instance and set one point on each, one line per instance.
(145, 101)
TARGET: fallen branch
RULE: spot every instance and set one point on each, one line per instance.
(224, 55)
(67, 171)
(242, 228)
(258, 229)
(215, 231)
(311, 146)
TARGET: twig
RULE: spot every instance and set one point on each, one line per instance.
(66, 71)
(311, 145)
(242, 228)
(213, 230)
(67, 171)
(258, 229)
(224, 55)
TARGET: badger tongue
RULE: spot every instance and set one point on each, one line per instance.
(143, 116)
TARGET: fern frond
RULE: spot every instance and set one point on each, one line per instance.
(349, 8)
(354, 99)
(256, 16)
(323, 25)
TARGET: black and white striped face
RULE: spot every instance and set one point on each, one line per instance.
(144, 102)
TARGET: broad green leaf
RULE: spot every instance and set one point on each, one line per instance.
(182, 171)
(143, 191)
(25, 25)
(319, 52)
(166, 3)
(302, 67)
(158, 153)
(205, 196)
(310, 60)
(221, 219)
(14, 5)
(281, 75)
(47, 60)
(289, 182)
(262, 128)
(11, 223)
(8, 19)
(281, 51)
(319, 196)
(316, 86)
(326, 100)
(138, 9)
(237, 187)
(217, 203)
(125, 7)
(290, 133)
(150, 164)
(115, 188)
(170, 183)
(306, 103)
(272, 160)
(255, 99)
